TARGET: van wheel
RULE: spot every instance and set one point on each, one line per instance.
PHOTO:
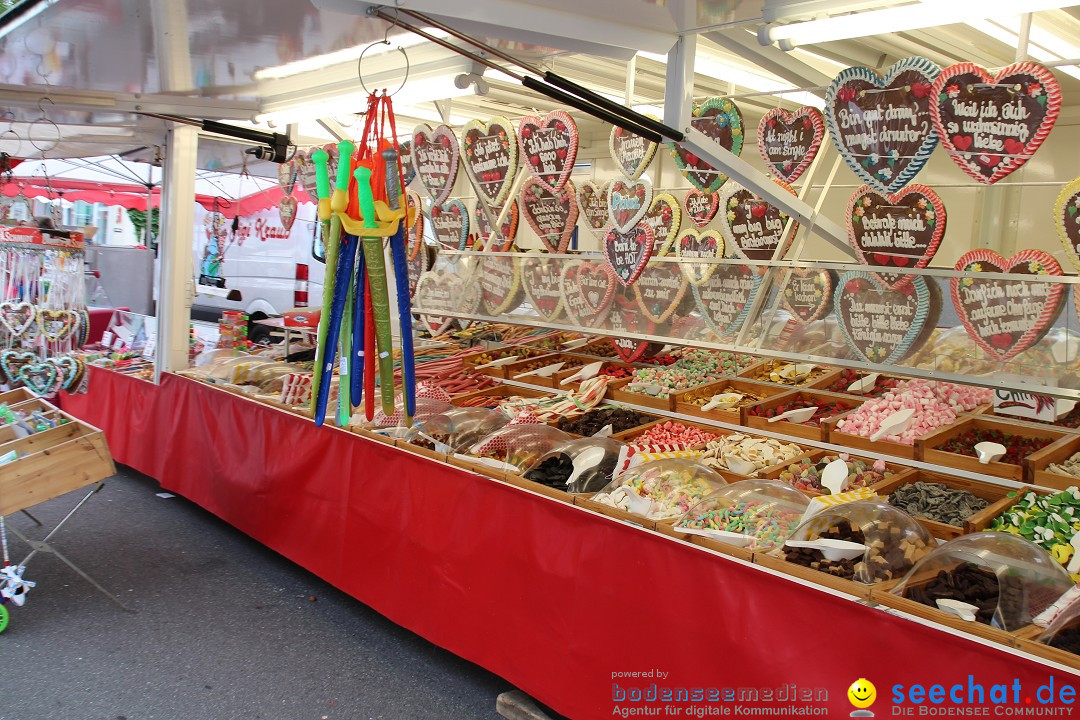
(258, 334)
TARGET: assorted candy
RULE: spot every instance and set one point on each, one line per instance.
(703, 396)
(930, 413)
(937, 502)
(670, 435)
(761, 452)
(978, 586)
(1049, 521)
(768, 523)
(1067, 467)
(785, 373)
(660, 490)
(1017, 447)
(825, 409)
(620, 419)
(805, 474)
(847, 376)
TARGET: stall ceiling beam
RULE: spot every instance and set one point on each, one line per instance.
(103, 101)
(779, 63)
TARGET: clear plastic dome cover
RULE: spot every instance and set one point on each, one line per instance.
(989, 577)
(597, 458)
(519, 445)
(462, 428)
(1064, 632)
(763, 513)
(891, 542)
(661, 489)
(425, 409)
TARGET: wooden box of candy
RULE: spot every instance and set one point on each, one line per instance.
(523, 370)
(816, 577)
(858, 442)
(539, 488)
(586, 501)
(493, 470)
(1057, 467)
(792, 374)
(622, 420)
(612, 368)
(691, 402)
(761, 415)
(842, 382)
(665, 435)
(804, 474)
(954, 446)
(763, 455)
(481, 361)
(491, 397)
(420, 446)
(1027, 640)
(619, 392)
(984, 518)
(941, 503)
(667, 527)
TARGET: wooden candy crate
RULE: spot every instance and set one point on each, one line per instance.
(810, 432)
(1027, 640)
(499, 391)
(824, 384)
(586, 501)
(474, 359)
(901, 473)
(988, 491)
(557, 380)
(628, 436)
(732, 415)
(927, 447)
(850, 587)
(616, 391)
(820, 374)
(513, 370)
(652, 420)
(1056, 453)
(545, 490)
(858, 442)
(981, 520)
(667, 527)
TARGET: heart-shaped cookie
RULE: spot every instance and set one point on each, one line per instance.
(440, 293)
(40, 378)
(408, 169)
(991, 124)
(631, 153)
(1066, 220)
(305, 172)
(660, 290)
(68, 368)
(587, 289)
(542, 279)
(450, 224)
(17, 317)
(789, 141)
(624, 320)
(500, 283)
(808, 295)
(724, 298)
(504, 239)
(628, 201)
(694, 244)
(83, 331)
(287, 211)
(490, 152)
(753, 228)
(700, 207)
(881, 123)
(902, 230)
(549, 147)
(593, 200)
(552, 217)
(628, 252)
(722, 122)
(664, 219)
(880, 325)
(56, 325)
(1006, 317)
(435, 157)
(416, 259)
(286, 176)
(331, 164)
(11, 361)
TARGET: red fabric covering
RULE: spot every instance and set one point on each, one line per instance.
(99, 322)
(551, 597)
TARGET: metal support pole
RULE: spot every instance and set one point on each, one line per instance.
(679, 85)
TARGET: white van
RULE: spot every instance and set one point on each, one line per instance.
(273, 268)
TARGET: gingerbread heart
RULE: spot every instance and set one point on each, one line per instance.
(625, 320)
(542, 279)
(68, 369)
(490, 152)
(881, 123)
(416, 259)
(1066, 220)
(628, 252)
(660, 290)
(408, 168)
(789, 141)
(593, 200)
(628, 201)
(11, 361)
(441, 293)
(435, 157)
(549, 146)
(991, 124)
(40, 378)
(83, 331)
(287, 211)
(56, 325)
(808, 295)
(552, 217)
(694, 244)
(753, 228)
(450, 223)
(504, 239)
(664, 219)
(587, 289)
(700, 207)
(305, 170)
(631, 153)
(725, 296)
(500, 283)
(722, 122)
(286, 176)
(881, 325)
(902, 230)
(331, 163)
(17, 317)
(1006, 317)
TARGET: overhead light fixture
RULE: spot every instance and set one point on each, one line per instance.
(913, 16)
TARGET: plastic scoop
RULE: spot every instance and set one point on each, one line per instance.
(587, 372)
(501, 361)
(833, 550)
(606, 431)
(1065, 349)
(723, 401)
(1074, 564)
(959, 608)
(571, 344)
(835, 477)
(895, 424)
(637, 504)
(989, 452)
(440, 447)
(864, 385)
(797, 369)
(724, 536)
(800, 415)
(546, 371)
(740, 466)
(586, 460)
(1064, 406)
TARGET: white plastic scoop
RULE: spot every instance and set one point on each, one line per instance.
(1065, 349)
(1074, 564)
(989, 452)
(724, 536)
(959, 608)
(571, 344)
(796, 369)
(723, 401)
(833, 550)
(440, 447)
(800, 415)
(546, 371)
(586, 460)
(895, 424)
(637, 504)
(587, 372)
(501, 361)
(606, 431)
(864, 384)
(740, 466)
(835, 477)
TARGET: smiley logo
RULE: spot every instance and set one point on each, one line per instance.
(862, 693)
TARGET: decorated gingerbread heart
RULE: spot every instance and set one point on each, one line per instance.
(435, 157)
(631, 153)
(416, 257)
(628, 201)
(69, 369)
(808, 295)
(659, 290)
(11, 361)
(753, 228)
(700, 207)
(664, 218)
(17, 317)
(450, 223)
(789, 141)
(408, 169)
(881, 325)
(587, 289)
(286, 175)
(441, 293)
(542, 280)
(287, 211)
(552, 216)
(500, 283)
(1066, 220)
(1006, 317)
(902, 230)
(991, 124)
(504, 239)
(628, 252)
(56, 325)
(722, 122)
(40, 378)
(490, 153)
(881, 124)
(549, 147)
(305, 173)
(592, 198)
(624, 320)
(725, 296)
(694, 244)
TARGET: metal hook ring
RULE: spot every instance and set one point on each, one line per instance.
(4, 138)
(30, 134)
(360, 61)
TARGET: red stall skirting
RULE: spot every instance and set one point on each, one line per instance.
(553, 598)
